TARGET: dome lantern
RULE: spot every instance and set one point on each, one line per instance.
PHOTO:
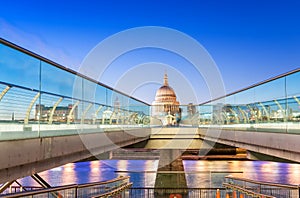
(166, 83)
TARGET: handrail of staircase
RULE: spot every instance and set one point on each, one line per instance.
(263, 183)
(61, 188)
(244, 190)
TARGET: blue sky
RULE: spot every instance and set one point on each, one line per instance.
(250, 41)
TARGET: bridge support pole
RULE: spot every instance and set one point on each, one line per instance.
(53, 110)
(106, 115)
(297, 100)
(70, 116)
(7, 88)
(226, 118)
(26, 120)
(5, 186)
(282, 110)
(236, 117)
(112, 117)
(170, 174)
(85, 112)
(266, 111)
(245, 117)
(40, 180)
(96, 114)
(253, 115)
(44, 184)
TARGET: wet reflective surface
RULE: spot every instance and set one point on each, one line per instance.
(143, 172)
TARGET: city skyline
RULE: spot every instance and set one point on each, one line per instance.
(249, 41)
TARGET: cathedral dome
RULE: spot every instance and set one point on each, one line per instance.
(165, 107)
(165, 92)
(165, 100)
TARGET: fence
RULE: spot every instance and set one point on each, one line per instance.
(252, 188)
(176, 192)
(115, 187)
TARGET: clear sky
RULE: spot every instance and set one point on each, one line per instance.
(250, 41)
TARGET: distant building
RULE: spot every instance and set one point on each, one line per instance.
(60, 114)
(165, 105)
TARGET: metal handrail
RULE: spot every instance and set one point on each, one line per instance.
(103, 182)
(263, 183)
(168, 191)
(60, 188)
(35, 192)
(59, 95)
(26, 188)
(115, 191)
(175, 188)
(252, 86)
(248, 192)
(41, 58)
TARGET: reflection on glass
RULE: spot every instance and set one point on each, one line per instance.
(19, 68)
(56, 80)
(37, 95)
(273, 106)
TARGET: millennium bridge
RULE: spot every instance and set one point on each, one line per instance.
(51, 115)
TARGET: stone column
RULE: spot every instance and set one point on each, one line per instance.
(170, 174)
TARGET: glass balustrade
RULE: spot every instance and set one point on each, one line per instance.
(271, 106)
(39, 97)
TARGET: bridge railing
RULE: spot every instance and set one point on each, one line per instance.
(270, 106)
(260, 189)
(38, 95)
(117, 186)
(177, 192)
